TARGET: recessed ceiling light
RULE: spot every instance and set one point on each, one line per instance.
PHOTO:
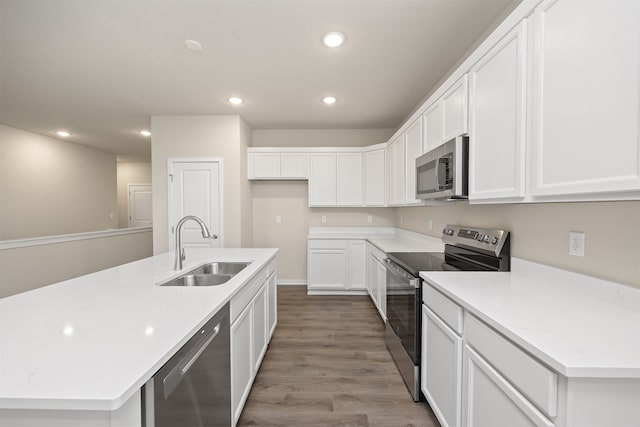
(193, 45)
(329, 100)
(235, 100)
(333, 39)
(144, 132)
(63, 133)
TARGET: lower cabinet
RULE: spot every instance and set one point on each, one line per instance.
(441, 374)
(376, 280)
(490, 400)
(253, 320)
(336, 266)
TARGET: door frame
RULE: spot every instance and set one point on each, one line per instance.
(170, 162)
(129, 185)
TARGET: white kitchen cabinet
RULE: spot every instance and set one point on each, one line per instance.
(497, 120)
(357, 264)
(374, 177)
(432, 119)
(272, 307)
(395, 171)
(441, 368)
(336, 266)
(350, 174)
(377, 279)
(413, 149)
(276, 165)
(454, 109)
(490, 400)
(260, 332)
(322, 179)
(242, 367)
(585, 128)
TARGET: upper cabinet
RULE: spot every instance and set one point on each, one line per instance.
(323, 179)
(395, 171)
(350, 187)
(497, 120)
(446, 118)
(585, 130)
(374, 177)
(276, 164)
(412, 150)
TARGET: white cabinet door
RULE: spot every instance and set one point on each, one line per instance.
(441, 369)
(586, 98)
(293, 165)
(272, 308)
(390, 179)
(322, 179)
(413, 149)
(266, 165)
(497, 117)
(382, 290)
(399, 183)
(350, 174)
(357, 264)
(374, 178)
(260, 332)
(489, 400)
(433, 135)
(242, 366)
(327, 265)
(454, 109)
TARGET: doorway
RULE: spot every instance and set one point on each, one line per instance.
(139, 207)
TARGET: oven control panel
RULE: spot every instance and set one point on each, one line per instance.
(481, 238)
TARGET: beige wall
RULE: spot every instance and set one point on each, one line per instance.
(130, 173)
(540, 232)
(319, 137)
(201, 136)
(52, 187)
(289, 200)
(53, 263)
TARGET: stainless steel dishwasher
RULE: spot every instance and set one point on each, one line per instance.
(193, 389)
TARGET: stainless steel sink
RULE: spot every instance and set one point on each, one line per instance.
(198, 280)
(211, 274)
(232, 268)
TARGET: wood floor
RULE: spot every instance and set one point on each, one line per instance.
(327, 365)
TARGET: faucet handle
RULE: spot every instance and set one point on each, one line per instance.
(213, 236)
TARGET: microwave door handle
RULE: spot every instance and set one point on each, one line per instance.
(439, 185)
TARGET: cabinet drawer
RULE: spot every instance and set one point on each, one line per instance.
(450, 312)
(327, 244)
(533, 379)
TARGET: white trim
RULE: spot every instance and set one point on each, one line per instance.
(323, 149)
(62, 238)
(292, 282)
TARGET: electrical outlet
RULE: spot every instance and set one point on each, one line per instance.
(576, 243)
(323, 219)
(369, 219)
(430, 224)
(278, 219)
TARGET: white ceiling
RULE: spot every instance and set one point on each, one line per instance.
(101, 68)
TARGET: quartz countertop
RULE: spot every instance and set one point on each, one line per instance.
(91, 342)
(387, 239)
(578, 325)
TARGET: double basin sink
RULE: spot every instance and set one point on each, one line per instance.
(210, 274)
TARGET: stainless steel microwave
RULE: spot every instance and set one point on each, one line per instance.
(442, 173)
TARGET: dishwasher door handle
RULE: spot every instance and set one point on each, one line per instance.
(173, 378)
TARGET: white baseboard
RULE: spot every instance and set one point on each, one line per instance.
(292, 282)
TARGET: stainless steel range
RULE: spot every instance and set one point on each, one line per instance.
(466, 249)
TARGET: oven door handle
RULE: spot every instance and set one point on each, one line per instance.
(414, 282)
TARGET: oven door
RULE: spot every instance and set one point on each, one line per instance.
(403, 308)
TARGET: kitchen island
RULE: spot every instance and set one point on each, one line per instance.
(78, 352)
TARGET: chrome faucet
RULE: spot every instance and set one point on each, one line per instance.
(179, 249)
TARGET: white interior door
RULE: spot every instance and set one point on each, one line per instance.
(195, 189)
(139, 209)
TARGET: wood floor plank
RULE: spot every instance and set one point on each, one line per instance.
(327, 365)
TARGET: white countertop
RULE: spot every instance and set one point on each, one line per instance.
(91, 342)
(578, 325)
(387, 239)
